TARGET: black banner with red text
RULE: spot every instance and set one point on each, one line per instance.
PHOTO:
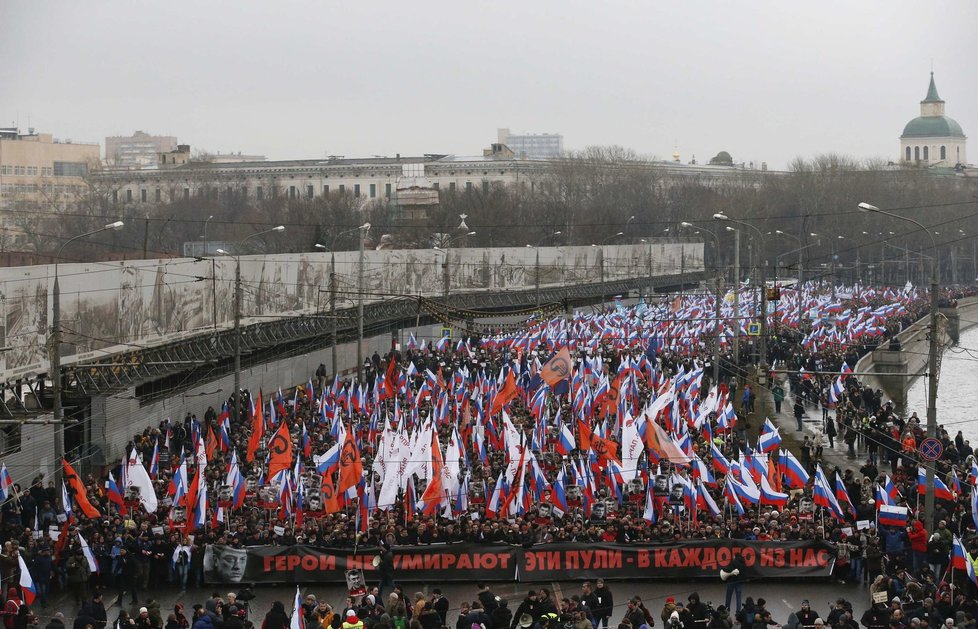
(690, 559)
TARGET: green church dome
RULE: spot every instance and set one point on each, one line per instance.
(932, 127)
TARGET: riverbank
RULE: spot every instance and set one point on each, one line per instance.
(894, 371)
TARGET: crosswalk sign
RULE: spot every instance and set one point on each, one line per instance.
(754, 328)
(446, 332)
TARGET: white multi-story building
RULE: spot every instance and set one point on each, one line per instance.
(532, 145)
(138, 150)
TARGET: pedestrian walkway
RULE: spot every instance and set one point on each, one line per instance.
(812, 424)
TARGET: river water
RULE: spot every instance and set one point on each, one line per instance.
(957, 390)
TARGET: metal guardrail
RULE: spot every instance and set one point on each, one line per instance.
(296, 335)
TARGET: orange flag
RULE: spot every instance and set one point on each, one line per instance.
(605, 449)
(331, 497)
(435, 490)
(190, 500)
(351, 468)
(505, 395)
(280, 451)
(211, 445)
(557, 368)
(257, 431)
(78, 489)
(584, 435)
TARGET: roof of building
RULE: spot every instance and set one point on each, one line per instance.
(932, 127)
(932, 96)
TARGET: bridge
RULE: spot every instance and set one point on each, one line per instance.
(149, 339)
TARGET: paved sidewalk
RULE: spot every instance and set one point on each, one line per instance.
(811, 421)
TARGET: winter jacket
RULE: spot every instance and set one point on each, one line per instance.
(918, 537)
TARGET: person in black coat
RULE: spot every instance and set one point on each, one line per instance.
(95, 609)
(528, 607)
(501, 616)
(605, 604)
(876, 617)
(276, 618)
(441, 605)
(699, 614)
(488, 600)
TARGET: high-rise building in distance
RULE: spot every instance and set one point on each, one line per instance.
(532, 145)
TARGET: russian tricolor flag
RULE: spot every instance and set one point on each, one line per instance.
(770, 438)
(960, 560)
(941, 491)
(881, 497)
(329, 462)
(26, 582)
(5, 482)
(297, 621)
(892, 515)
(793, 471)
(770, 496)
(566, 442)
(89, 555)
(720, 462)
(649, 514)
(560, 495)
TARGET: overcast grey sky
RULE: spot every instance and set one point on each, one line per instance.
(764, 80)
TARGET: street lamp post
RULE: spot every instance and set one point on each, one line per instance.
(736, 292)
(716, 300)
(931, 357)
(536, 273)
(363, 232)
(237, 315)
(55, 346)
(801, 268)
(446, 276)
(204, 254)
(762, 367)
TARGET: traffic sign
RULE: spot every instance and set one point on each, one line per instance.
(931, 449)
(754, 328)
(446, 332)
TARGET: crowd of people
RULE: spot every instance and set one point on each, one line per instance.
(137, 551)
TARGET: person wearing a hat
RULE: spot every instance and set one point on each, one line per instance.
(668, 608)
(233, 620)
(350, 621)
(142, 619)
(527, 608)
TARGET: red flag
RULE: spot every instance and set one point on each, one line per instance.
(257, 431)
(190, 500)
(435, 490)
(505, 395)
(79, 492)
(280, 451)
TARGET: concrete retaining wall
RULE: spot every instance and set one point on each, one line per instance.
(895, 371)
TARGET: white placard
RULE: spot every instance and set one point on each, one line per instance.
(863, 524)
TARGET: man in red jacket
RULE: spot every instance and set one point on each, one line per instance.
(11, 608)
(918, 545)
